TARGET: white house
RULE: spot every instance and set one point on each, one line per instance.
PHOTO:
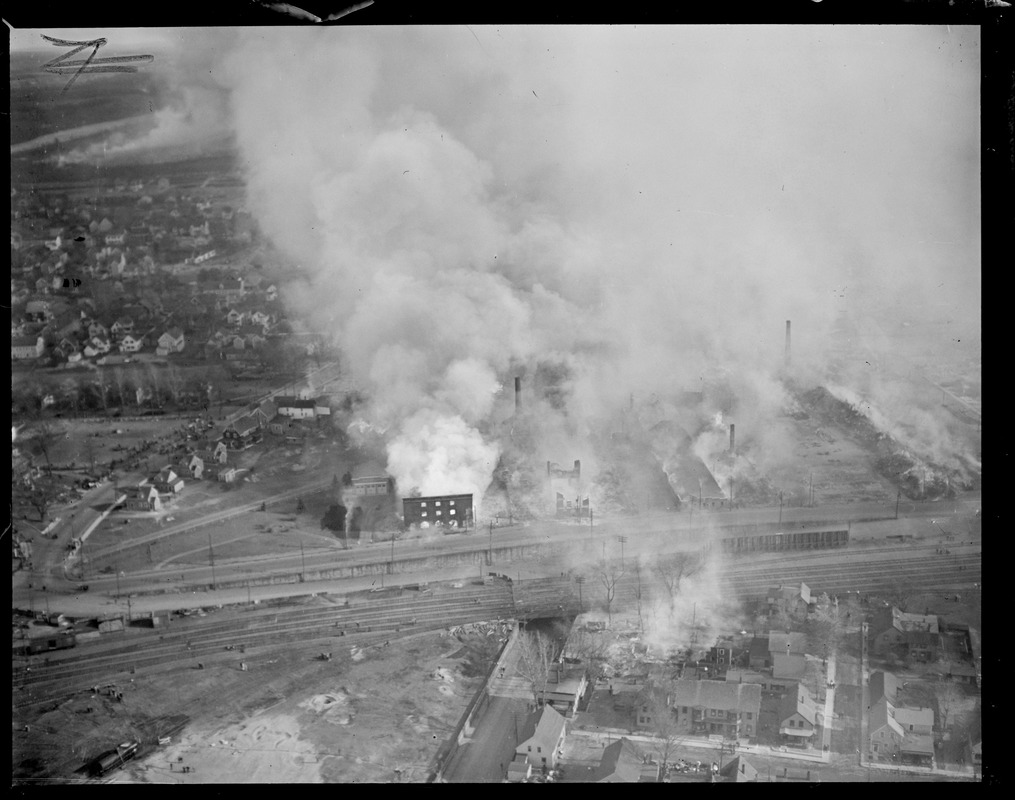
(171, 341)
(129, 344)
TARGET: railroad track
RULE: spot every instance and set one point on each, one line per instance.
(298, 629)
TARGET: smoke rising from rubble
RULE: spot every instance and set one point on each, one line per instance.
(640, 204)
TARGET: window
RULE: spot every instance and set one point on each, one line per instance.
(750, 715)
(684, 709)
(539, 749)
(451, 502)
(438, 513)
(530, 748)
(792, 723)
(422, 513)
(438, 504)
(422, 505)
(452, 512)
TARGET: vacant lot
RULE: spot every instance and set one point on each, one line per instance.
(373, 714)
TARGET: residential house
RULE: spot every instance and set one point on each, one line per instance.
(747, 676)
(261, 319)
(787, 671)
(884, 731)
(242, 433)
(65, 348)
(97, 346)
(797, 717)
(915, 720)
(212, 451)
(716, 707)
(172, 341)
(914, 636)
(122, 326)
(131, 344)
(566, 687)
(792, 600)
(195, 465)
(235, 317)
(621, 763)
(27, 347)
(541, 738)
(168, 482)
(97, 329)
(739, 770)
(917, 749)
(722, 655)
(142, 498)
(786, 644)
(758, 656)
(226, 474)
(974, 751)
(294, 407)
(265, 412)
(883, 684)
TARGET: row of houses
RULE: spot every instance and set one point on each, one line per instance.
(285, 415)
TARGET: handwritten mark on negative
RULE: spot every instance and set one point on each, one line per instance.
(61, 66)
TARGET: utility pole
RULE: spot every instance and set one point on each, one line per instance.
(116, 566)
(580, 580)
(129, 611)
(489, 547)
(780, 508)
(392, 562)
(810, 489)
(211, 557)
(898, 497)
(303, 561)
(622, 540)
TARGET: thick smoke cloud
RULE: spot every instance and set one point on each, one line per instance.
(636, 206)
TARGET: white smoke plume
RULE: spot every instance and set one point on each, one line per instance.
(469, 204)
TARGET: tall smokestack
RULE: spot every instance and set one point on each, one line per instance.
(518, 393)
(787, 343)
(733, 438)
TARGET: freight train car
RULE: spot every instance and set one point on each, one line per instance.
(45, 644)
(752, 539)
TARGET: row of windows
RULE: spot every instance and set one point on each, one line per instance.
(437, 504)
(438, 513)
(713, 712)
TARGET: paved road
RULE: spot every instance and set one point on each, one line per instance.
(485, 757)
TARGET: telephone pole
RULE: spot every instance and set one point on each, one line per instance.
(303, 560)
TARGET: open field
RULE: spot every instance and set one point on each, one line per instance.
(372, 713)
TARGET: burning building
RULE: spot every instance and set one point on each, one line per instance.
(565, 489)
(450, 511)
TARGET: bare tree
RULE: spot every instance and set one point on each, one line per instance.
(609, 574)
(41, 496)
(950, 699)
(589, 649)
(535, 660)
(46, 437)
(638, 594)
(672, 571)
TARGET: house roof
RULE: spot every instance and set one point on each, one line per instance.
(798, 702)
(917, 743)
(621, 763)
(759, 647)
(245, 423)
(719, 695)
(175, 332)
(783, 643)
(914, 716)
(788, 666)
(547, 725)
(883, 714)
(25, 341)
(883, 684)
(739, 769)
(288, 401)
